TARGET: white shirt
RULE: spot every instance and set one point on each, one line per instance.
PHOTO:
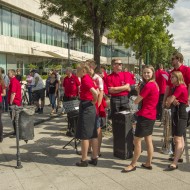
(98, 81)
(39, 85)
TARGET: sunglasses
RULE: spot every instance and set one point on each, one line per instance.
(118, 64)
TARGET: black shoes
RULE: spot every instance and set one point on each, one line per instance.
(93, 161)
(39, 110)
(127, 171)
(146, 167)
(172, 159)
(82, 163)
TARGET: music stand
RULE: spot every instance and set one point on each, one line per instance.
(72, 106)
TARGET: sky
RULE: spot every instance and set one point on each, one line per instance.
(180, 28)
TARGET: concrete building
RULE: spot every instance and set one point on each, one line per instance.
(25, 38)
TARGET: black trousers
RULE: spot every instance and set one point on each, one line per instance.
(159, 107)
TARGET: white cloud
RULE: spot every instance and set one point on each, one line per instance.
(181, 27)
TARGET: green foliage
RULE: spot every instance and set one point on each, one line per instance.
(145, 33)
(93, 17)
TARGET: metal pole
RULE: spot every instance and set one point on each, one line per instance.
(68, 33)
(19, 165)
(128, 63)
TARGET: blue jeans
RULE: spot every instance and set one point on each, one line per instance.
(52, 99)
(30, 94)
(5, 102)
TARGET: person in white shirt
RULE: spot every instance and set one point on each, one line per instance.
(38, 91)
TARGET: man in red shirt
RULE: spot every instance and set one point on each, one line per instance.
(118, 84)
(71, 90)
(161, 79)
(177, 63)
(14, 93)
(70, 86)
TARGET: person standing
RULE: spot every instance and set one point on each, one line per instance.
(146, 117)
(29, 79)
(87, 128)
(5, 98)
(2, 94)
(118, 84)
(161, 79)
(18, 75)
(179, 115)
(177, 63)
(14, 94)
(38, 91)
(53, 92)
(70, 86)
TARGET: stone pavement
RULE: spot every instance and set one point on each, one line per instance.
(47, 166)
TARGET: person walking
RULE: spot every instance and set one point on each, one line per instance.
(146, 117)
(2, 94)
(53, 92)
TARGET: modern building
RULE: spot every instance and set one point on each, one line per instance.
(26, 38)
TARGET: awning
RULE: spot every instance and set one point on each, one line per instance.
(56, 54)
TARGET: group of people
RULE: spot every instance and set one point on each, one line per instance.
(92, 86)
(159, 90)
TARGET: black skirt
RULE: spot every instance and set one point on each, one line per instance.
(144, 126)
(179, 120)
(87, 123)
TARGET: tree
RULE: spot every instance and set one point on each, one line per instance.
(93, 17)
(145, 34)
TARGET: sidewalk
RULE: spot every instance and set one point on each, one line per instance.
(47, 166)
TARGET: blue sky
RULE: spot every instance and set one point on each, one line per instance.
(181, 27)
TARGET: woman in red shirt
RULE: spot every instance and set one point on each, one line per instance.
(87, 128)
(2, 93)
(146, 117)
(179, 114)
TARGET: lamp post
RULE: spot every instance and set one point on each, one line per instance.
(147, 57)
(68, 34)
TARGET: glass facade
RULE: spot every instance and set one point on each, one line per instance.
(21, 26)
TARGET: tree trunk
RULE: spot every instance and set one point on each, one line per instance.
(97, 46)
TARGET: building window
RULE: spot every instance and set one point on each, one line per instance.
(37, 31)
(31, 35)
(49, 35)
(6, 22)
(15, 25)
(44, 33)
(54, 37)
(23, 28)
(64, 39)
(59, 41)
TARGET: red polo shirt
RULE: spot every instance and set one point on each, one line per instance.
(150, 94)
(185, 72)
(71, 85)
(119, 79)
(1, 91)
(161, 79)
(181, 93)
(15, 87)
(86, 84)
